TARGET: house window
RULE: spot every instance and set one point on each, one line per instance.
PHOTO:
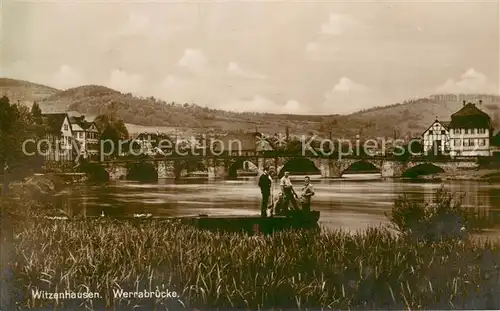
(66, 127)
(443, 132)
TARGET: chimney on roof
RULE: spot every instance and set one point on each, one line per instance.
(464, 103)
(480, 103)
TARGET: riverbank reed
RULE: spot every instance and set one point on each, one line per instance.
(294, 269)
(442, 218)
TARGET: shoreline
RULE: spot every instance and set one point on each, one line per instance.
(482, 175)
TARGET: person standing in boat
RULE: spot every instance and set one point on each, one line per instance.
(288, 192)
(307, 193)
(265, 189)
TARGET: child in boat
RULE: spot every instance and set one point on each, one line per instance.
(307, 193)
(279, 205)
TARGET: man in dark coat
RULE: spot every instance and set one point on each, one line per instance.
(265, 189)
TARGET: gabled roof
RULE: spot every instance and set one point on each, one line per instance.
(54, 122)
(85, 125)
(470, 117)
(445, 124)
(241, 142)
(263, 142)
(469, 110)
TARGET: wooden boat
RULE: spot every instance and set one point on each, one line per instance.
(225, 223)
(255, 224)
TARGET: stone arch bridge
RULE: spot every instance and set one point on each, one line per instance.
(220, 167)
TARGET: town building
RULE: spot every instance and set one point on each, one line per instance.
(152, 144)
(470, 132)
(59, 138)
(436, 139)
(87, 136)
(241, 144)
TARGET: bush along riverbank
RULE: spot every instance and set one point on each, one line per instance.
(369, 269)
(482, 174)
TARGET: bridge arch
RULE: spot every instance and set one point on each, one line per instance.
(360, 166)
(96, 172)
(300, 165)
(245, 164)
(142, 171)
(422, 169)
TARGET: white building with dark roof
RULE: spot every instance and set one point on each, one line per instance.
(470, 132)
(87, 135)
(436, 139)
(59, 138)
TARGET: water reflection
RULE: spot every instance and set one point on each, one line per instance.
(347, 203)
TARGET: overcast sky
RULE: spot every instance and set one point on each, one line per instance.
(280, 56)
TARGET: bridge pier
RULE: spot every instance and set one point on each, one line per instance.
(216, 172)
(390, 169)
(165, 169)
(325, 166)
(217, 168)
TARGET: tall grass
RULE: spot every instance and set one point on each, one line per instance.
(294, 269)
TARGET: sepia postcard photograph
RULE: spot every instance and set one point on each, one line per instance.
(249, 155)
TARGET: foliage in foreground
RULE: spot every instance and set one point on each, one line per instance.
(370, 269)
(17, 125)
(443, 218)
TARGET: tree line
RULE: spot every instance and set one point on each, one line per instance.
(19, 124)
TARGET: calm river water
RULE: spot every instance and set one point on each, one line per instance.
(351, 203)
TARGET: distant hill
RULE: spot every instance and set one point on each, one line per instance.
(409, 118)
(63, 100)
(25, 92)
(149, 111)
(414, 116)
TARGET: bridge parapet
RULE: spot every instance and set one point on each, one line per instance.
(219, 167)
